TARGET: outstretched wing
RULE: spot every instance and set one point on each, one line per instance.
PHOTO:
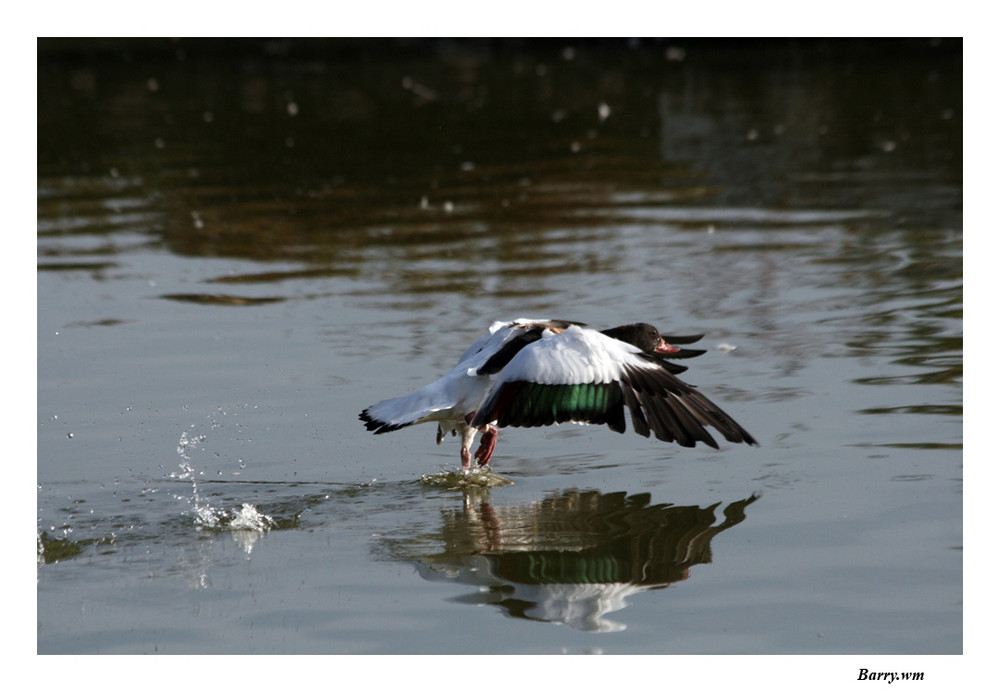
(580, 375)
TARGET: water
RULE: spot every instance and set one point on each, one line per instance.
(240, 249)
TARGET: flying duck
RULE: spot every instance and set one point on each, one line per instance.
(529, 373)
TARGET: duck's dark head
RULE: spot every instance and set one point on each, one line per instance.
(643, 336)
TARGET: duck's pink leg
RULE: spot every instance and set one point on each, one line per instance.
(487, 444)
(468, 437)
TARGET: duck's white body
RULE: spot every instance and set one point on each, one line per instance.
(452, 399)
(539, 372)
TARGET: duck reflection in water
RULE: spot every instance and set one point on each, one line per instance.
(574, 556)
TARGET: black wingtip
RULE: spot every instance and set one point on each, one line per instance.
(737, 435)
(377, 426)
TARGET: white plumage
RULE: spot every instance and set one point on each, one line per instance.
(453, 396)
(574, 356)
(539, 372)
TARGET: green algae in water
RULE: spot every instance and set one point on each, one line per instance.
(51, 550)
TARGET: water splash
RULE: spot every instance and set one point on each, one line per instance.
(188, 443)
(204, 513)
(455, 479)
(246, 524)
(246, 518)
(249, 518)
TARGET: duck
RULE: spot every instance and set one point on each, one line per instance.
(537, 372)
